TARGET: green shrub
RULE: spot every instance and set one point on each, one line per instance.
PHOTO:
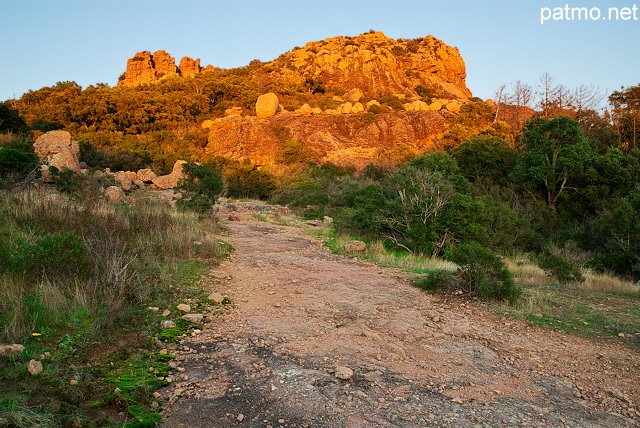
(247, 181)
(559, 267)
(66, 180)
(64, 254)
(203, 180)
(200, 204)
(436, 280)
(482, 273)
(16, 161)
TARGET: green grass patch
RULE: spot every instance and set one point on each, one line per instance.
(583, 312)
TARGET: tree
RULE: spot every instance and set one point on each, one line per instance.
(547, 91)
(553, 152)
(626, 113)
(11, 121)
(485, 157)
(521, 94)
(586, 98)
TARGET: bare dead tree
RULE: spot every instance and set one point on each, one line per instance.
(547, 90)
(586, 98)
(563, 98)
(500, 97)
(521, 94)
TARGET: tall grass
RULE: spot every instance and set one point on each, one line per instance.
(527, 272)
(60, 256)
(377, 253)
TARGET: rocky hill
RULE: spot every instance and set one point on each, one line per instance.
(371, 62)
(376, 65)
(347, 100)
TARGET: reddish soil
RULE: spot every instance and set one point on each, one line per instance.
(418, 359)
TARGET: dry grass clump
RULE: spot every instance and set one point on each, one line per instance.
(607, 283)
(527, 272)
(379, 254)
(523, 270)
(59, 256)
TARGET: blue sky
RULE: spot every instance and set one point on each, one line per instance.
(89, 41)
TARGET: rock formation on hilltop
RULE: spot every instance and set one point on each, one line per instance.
(146, 67)
(347, 100)
(376, 65)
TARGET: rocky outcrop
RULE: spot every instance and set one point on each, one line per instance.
(57, 149)
(238, 137)
(54, 138)
(145, 67)
(376, 65)
(267, 105)
(189, 67)
(369, 65)
(164, 64)
(342, 139)
(171, 180)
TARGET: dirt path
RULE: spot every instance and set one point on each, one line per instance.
(418, 360)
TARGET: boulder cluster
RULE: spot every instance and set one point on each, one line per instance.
(57, 150)
(146, 67)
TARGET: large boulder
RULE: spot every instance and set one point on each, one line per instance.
(267, 105)
(62, 157)
(124, 181)
(171, 180)
(146, 175)
(57, 149)
(114, 193)
(54, 138)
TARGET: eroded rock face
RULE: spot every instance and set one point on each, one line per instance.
(189, 67)
(238, 137)
(377, 65)
(341, 139)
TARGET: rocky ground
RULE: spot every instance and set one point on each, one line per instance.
(320, 340)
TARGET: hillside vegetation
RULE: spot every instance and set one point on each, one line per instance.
(541, 176)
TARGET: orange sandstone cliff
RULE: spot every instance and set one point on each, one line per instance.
(424, 77)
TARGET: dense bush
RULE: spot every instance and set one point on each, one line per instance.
(203, 184)
(559, 267)
(482, 273)
(17, 159)
(247, 181)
